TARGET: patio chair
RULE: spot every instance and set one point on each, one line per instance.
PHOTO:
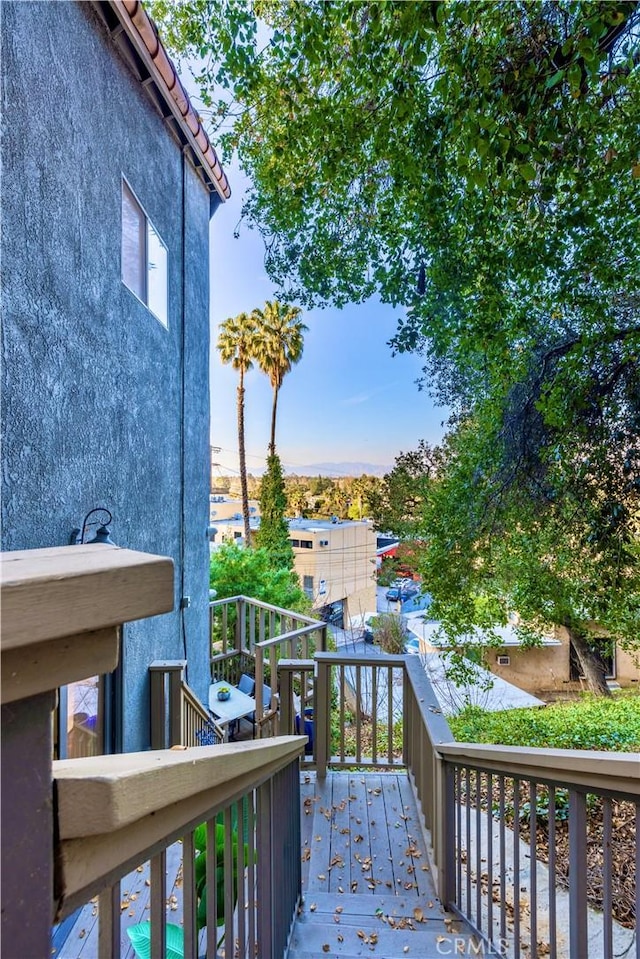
(266, 703)
(209, 734)
(247, 684)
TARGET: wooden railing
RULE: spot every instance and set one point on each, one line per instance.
(249, 636)
(69, 839)
(61, 614)
(235, 809)
(178, 718)
(481, 803)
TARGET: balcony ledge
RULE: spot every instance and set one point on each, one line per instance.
(62, 608)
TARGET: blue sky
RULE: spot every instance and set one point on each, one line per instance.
(347, 400)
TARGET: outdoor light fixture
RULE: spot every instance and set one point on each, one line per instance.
(102, 535)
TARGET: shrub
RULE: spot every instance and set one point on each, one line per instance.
(588, 723)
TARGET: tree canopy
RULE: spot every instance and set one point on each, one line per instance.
(236, 345)
(238, 571)
(278, 347)
(477, 166)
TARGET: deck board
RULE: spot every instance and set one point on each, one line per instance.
(381, 899)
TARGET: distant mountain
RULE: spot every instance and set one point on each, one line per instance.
(340, 469)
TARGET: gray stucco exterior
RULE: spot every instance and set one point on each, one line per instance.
(101, 404)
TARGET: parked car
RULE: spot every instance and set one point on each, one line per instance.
(367, 633)
(412, 646)
(397, 594)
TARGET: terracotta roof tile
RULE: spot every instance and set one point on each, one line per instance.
(142, 31)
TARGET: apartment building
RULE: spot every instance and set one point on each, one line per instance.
(335, 560)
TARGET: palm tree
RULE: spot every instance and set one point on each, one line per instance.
(280, 346)
(237, 345)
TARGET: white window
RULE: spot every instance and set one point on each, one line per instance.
(307, 585)
(144, 256)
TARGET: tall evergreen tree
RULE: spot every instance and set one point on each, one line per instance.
(236, 345)
(273, 535)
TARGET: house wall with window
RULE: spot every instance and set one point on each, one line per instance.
(546, 671)
(105, 387)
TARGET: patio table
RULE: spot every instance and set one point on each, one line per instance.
(228, 710)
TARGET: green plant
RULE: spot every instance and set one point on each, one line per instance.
(389, 633)
(588, 723)
(140, 934)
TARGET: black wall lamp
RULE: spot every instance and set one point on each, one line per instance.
(103, 534)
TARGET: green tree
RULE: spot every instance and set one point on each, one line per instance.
(279, 347)
(237, 571)
(336, 501)
(362, 492)
(236, 345)
(273, 535)
(557, 556)
(478, 164)
(297, 501)
(475, 162)
(397, 504)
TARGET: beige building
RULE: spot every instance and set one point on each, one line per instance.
(552, 671)
(225, 507)
(336, 561)
(549, 671)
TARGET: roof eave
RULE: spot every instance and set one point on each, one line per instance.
(143, 35)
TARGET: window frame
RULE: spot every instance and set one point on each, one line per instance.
(149, 225)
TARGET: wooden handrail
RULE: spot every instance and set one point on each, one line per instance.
(268, 606)
(64, 590)
(61, 609)
(606, 772)
(115, 811)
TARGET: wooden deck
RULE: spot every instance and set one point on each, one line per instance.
(367, 884)
(77, 937)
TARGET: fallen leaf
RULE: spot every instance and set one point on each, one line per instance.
(326, 947)
(313, 907)
(418, 914)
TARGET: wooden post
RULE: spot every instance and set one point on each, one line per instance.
(27, 826)
(61, 610)
(321, 715)
(286, 700)
(176, 737)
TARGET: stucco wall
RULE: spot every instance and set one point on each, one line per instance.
(93, 386)
(545, 671)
